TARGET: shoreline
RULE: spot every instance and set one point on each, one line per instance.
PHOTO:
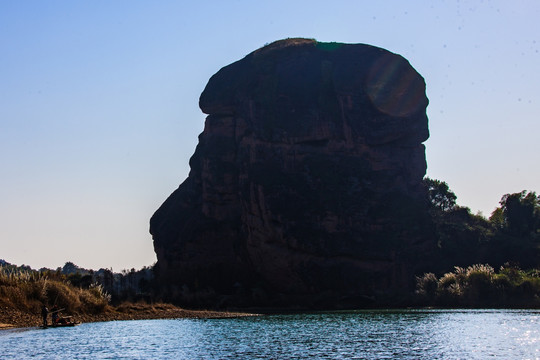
(17, 319)
(14, 318)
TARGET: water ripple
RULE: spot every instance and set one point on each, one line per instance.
(389, 334)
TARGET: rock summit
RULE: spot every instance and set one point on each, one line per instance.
(305, 187)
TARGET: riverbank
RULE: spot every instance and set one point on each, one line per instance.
(13, 318)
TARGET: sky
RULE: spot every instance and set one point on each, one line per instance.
(99, 105)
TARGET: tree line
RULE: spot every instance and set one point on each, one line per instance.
(483, 261)
(510, 235)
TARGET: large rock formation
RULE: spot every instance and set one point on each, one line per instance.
(306, 185)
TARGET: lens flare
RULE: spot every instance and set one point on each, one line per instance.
(394, 87)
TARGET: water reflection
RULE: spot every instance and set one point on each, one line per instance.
(390, 334)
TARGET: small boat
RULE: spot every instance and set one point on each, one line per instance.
(63, 321)
(61, 325)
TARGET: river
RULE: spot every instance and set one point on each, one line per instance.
(373, 334)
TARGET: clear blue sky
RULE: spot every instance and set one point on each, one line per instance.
(99, 105)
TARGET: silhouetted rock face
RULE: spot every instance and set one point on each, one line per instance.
(305, 186)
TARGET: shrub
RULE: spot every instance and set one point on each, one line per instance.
(447, 280)
(426, 285)
(480, 285)
(94, 299)
(502, 282)
(28, 290)
(514, 273)
(61, 294)
(450, 288)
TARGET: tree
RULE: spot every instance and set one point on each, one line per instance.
(521, 213)
(440, 195)
(497, 219)
(517, 225)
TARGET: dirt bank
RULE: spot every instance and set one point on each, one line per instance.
(10, 318)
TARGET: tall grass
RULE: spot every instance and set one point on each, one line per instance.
(29, 290)
(480, 285)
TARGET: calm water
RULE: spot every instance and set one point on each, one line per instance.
(390, 334)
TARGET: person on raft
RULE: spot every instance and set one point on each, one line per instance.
(54, 315)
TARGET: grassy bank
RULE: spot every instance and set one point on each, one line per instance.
(27, 291)
(22, 293)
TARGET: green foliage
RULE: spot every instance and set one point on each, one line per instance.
(516, 225)
(512, 233)
(480, 285)
(519, 214)
(440, 196)
(497, 219)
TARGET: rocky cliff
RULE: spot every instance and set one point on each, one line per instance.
(305, 187)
